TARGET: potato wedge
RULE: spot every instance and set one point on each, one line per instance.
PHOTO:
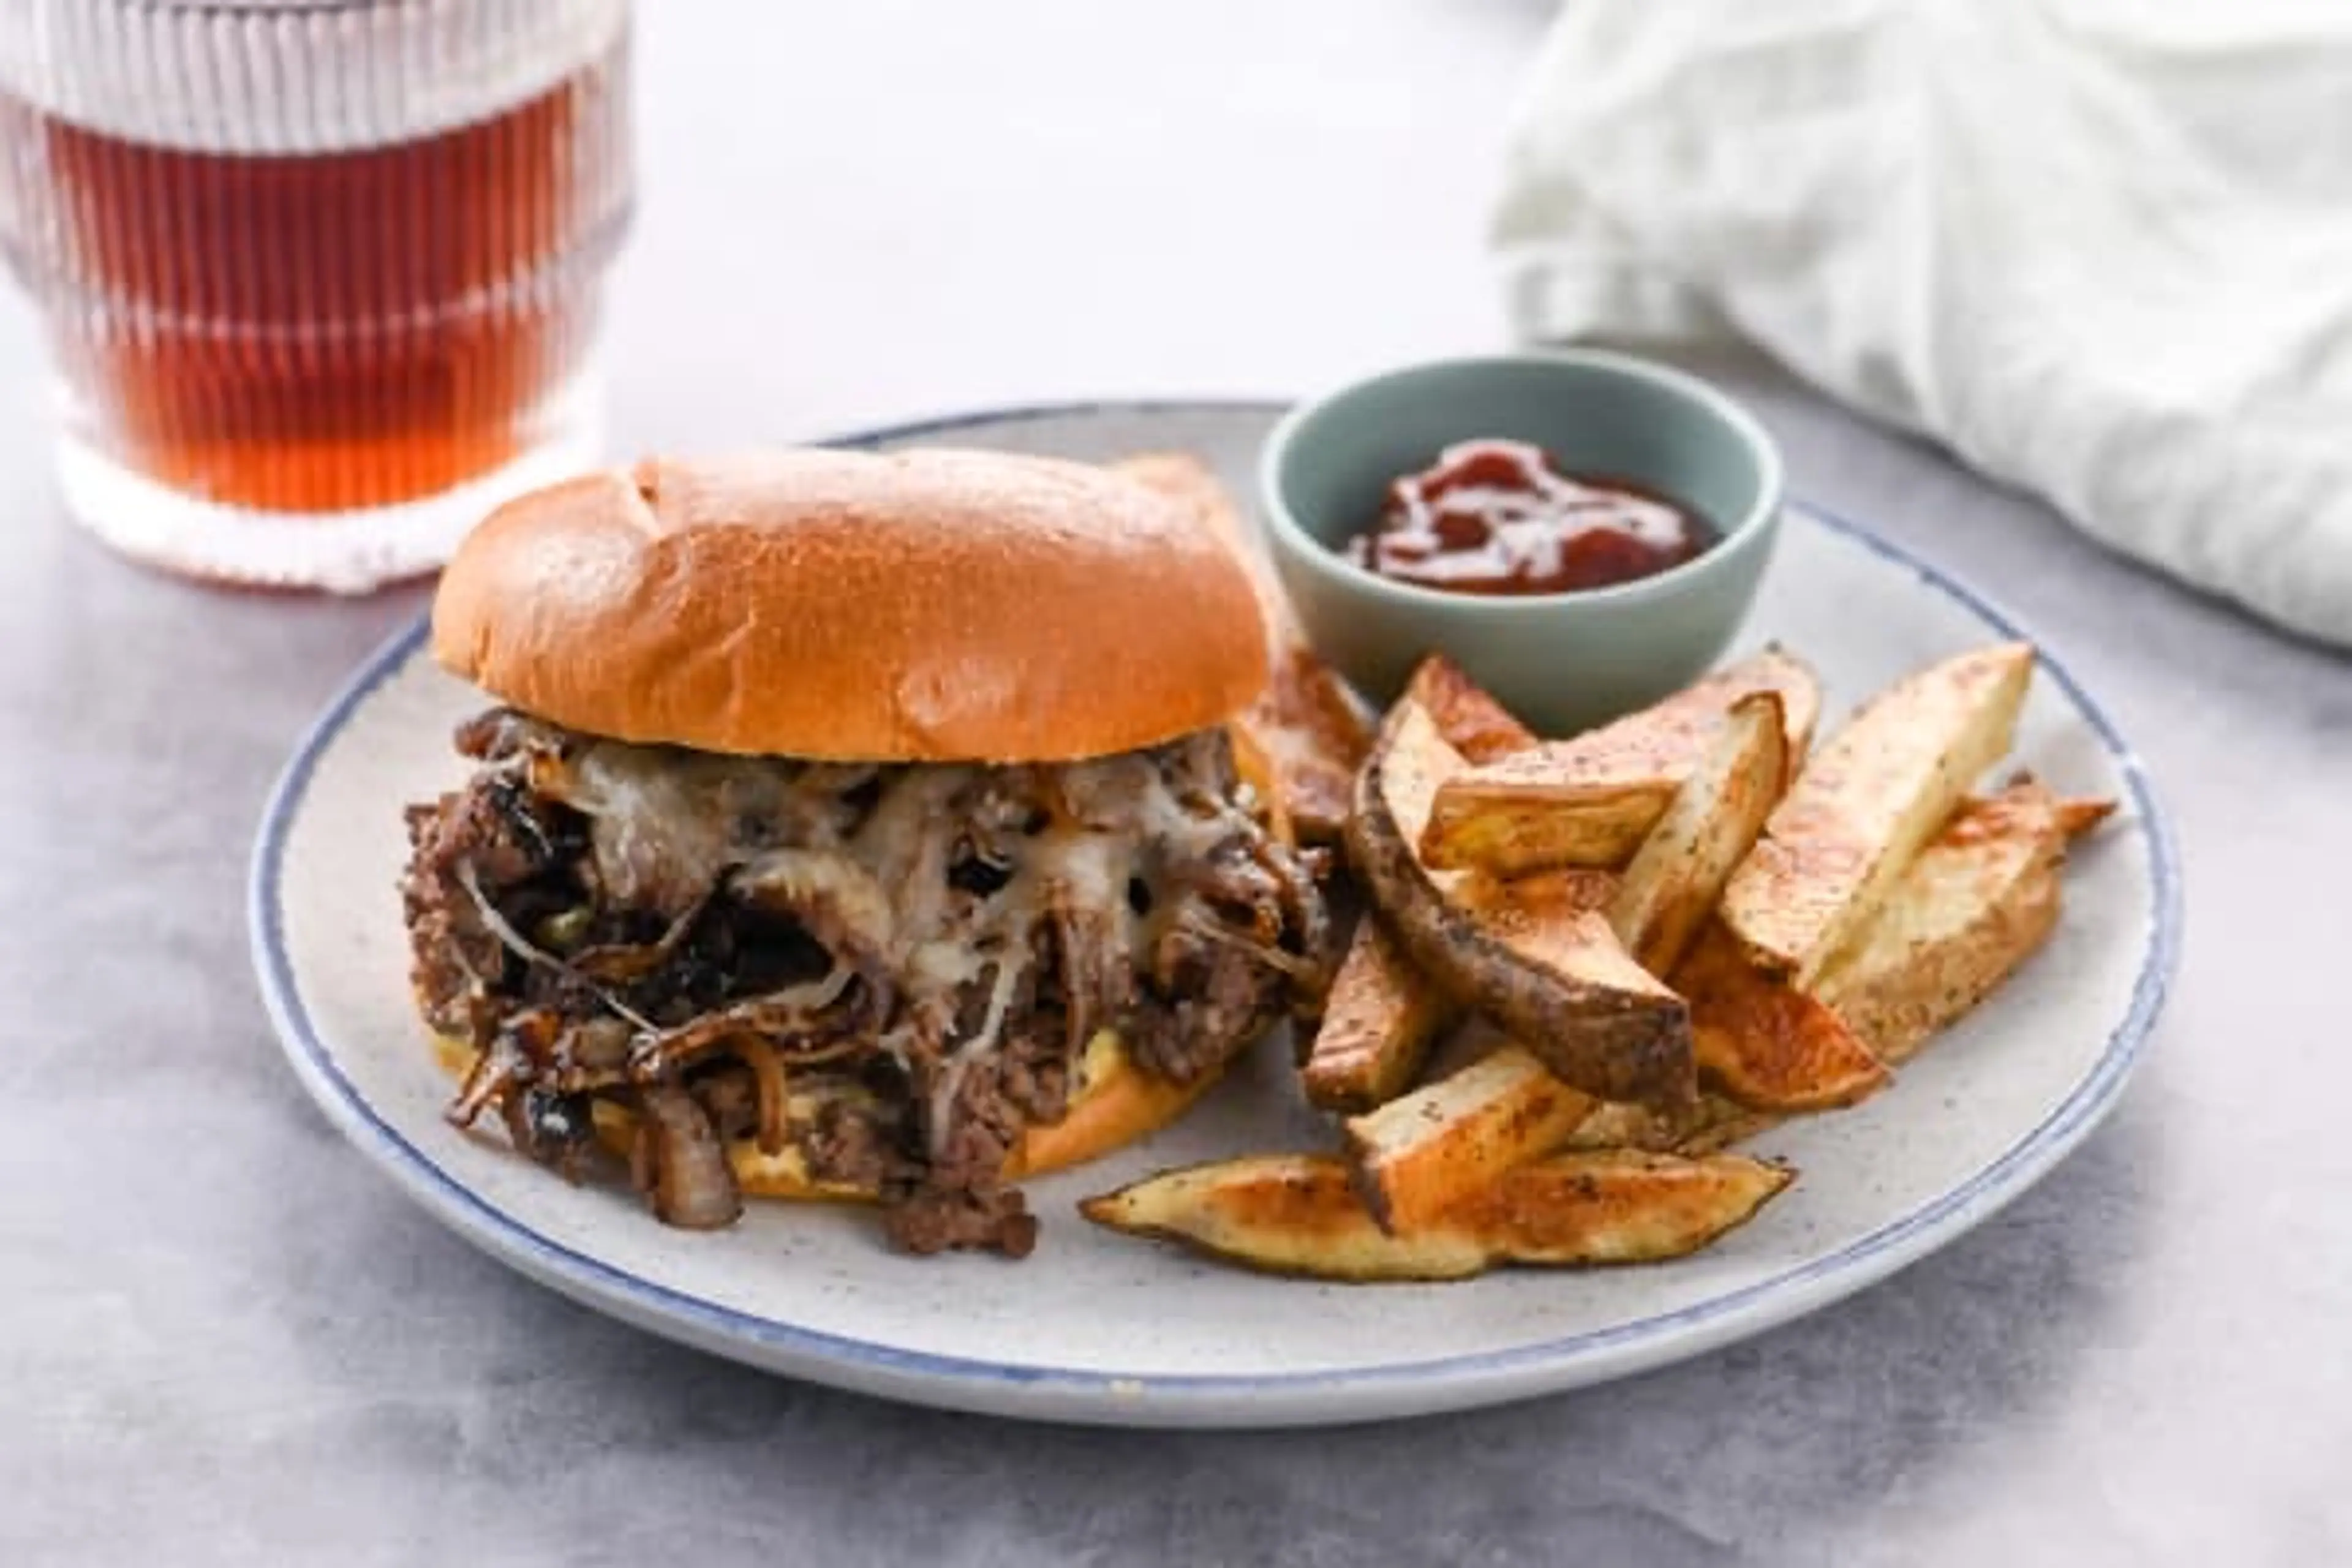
(1561, 919)
(1313, 737)
(1765, 1044)
(1301, 1214)
(1472, 722)
(1382, 1015)
(1868, 801)
(1696, 1126)
(1409, 763)
(1419, 1155)
(1679, 872)
(1619, 1205)
(2077, 815)
(1591, 800)
(1379, 1019)
(1980, 900)
(1536, 957)
(1305, 731)
(1598, 820)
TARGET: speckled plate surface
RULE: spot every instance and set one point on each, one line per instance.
(1099, 1329)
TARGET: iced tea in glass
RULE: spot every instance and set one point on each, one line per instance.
(320, 278)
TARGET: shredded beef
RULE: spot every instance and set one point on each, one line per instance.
(923, 952)
(857, 1146)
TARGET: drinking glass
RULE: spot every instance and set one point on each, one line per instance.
(320, 278)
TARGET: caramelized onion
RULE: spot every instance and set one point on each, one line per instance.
(621, 963)
(807, 1016)
(494, 1072)
(768, 1078)
(680, 1164)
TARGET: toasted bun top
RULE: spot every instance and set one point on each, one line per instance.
(931, 606)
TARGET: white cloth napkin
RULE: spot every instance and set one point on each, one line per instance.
(2100, 249)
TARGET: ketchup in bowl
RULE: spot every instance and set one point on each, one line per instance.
(1499, 517)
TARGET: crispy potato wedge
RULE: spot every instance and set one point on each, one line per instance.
(1419, 1155)
(1700, 1125)
(1306, 731)
(1679, 872)
(1409, 762)
(1381, 1016)
(1538, 957)
(1763, 1043)
(1867, 803)
(1380, 1020)
(1313, 737)
(1619, 1205)
(1599, 820)
(1301, 1214)
(1980, 900)
(1591, 800)
(1561, 919)
(2077, 815)
(1472, 722)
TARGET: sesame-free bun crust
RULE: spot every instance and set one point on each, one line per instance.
(927, 606)
(1117, 1102)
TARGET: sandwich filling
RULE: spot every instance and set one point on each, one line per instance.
(887, 971)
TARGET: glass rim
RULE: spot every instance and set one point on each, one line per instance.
(263, 6)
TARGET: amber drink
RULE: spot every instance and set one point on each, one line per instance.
(321, 281)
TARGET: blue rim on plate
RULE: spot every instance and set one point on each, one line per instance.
(1066, 1392)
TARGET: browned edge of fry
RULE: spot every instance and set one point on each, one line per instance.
(1982, 899)
(1299, 1215)
(1620, 777)
(1472, 722)
(1675, 877)
(1379, 1019)
(1765, 1044)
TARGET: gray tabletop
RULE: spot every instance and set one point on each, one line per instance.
(225, 1339)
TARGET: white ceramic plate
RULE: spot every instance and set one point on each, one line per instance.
(1100, 1328)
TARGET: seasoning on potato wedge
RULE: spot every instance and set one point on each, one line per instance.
(1595, 964)
(1301, 1214)
(1591, 799)
(1555, 978)
(1867, 803)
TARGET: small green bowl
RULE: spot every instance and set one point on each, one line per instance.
(1562, 662)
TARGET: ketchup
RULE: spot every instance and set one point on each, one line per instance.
(1497, 517)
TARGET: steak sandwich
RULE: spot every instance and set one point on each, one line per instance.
(850, 826)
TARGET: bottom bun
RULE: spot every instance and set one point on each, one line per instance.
(1117, 1102)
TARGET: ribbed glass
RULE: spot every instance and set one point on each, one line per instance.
(321, 280)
